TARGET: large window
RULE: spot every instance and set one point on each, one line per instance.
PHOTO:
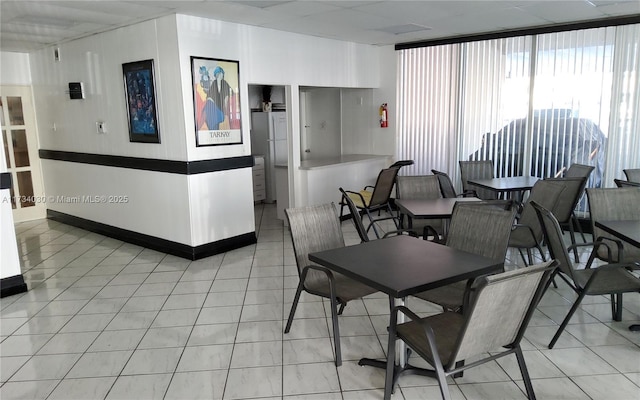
(533, 104)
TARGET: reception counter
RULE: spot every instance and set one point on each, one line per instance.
(320, 179)
(342, 161)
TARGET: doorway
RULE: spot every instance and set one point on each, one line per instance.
(20, 143)
(320, 120)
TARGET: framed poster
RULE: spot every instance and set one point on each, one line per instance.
(216, 101)
(141, 101)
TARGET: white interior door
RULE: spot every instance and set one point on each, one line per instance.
(20, 143)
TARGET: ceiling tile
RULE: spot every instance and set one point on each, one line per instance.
(351, 17)
(357, 21)
(303, 8)
(563, 11)
(620, 8)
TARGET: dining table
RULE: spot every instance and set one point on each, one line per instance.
(400, 266)
(627, 230)
(513, 187)
(429, 208)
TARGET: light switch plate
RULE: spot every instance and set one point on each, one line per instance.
(101, 127)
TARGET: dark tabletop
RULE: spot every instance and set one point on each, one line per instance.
(403, 265)
(436, 208)
(506, 184)
(629, 231)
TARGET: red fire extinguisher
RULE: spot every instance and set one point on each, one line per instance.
(384, 121)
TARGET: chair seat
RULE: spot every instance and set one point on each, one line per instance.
(446, 327)
(346, 288)
(609, 281)
(521, 237)
(357, 200)
(451, 297)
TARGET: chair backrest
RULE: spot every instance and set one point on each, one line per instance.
(482, 227)
(384, 186)
(446, 186)
(553, 238)
(314, 228)
(423, 187)
(613, 204)
(620, 183)
(482, 169)
(633, 175)
(401, 163)
(569, 198)
(355, 216)
(501, 311)
(546, 193)
(579, 171)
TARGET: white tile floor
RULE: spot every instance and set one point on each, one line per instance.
(105, 319)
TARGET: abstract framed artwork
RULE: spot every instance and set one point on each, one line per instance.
(140, 95)
(216, 101)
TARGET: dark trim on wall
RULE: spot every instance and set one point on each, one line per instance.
(155, 243)
(150, 164)
(539, 30)
(12, 285)
(5, 180)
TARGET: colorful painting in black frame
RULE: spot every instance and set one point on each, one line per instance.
(140, 95)
(216, 101)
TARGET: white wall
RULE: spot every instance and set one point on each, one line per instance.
(273, 57)
(359, 119)
(174, 207)
(320, 185)
(156, 203)
(97, 62)
(267, 55)
(383, 140)
(323, 121)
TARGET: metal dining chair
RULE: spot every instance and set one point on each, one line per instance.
(356, 217)
(579, 171)
(567, 202)
(612, 279)
(620, 183)
(527, 233)
(420, 187)
(481, 169)
(632, 174)
(613, 204)
(375, 198)
(446, 186)
(481, 228)
(313, 229)
(492, 327)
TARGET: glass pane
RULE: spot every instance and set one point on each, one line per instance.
(14, 104)
(26, 189)
(1, 112)
(6, 148)
(13, 198)
(20, 149)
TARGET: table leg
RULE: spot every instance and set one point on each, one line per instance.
(401, 348)
(402, 365)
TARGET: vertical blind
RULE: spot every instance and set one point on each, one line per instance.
(427, 102)
(533, 104)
